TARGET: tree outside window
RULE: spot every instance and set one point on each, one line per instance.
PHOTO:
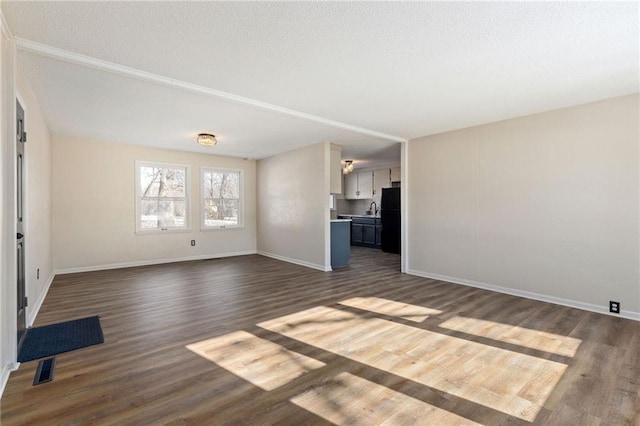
(162, 196)
(222, 201)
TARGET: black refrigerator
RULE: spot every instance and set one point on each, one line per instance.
(390, 218)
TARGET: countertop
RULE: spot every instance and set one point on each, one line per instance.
(340, 220)
(370, 216)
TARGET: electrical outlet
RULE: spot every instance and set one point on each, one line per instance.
(193, 243)
(614, 307)
(38, 273)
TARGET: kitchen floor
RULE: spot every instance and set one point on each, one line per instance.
(363, 257)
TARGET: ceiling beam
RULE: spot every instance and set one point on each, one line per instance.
(88, 61)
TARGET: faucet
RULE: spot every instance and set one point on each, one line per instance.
(375, 209)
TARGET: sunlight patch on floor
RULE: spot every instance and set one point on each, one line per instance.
(261, 362)
(528, 338)
(511, 382)
(351, 400)
(392, 308)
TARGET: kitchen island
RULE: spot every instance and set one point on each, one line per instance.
(340, 243)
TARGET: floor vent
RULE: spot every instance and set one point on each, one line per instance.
(45, 370)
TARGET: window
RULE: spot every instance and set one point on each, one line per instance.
(161, 197)
(221, 198)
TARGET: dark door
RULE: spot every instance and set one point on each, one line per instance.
(22, 299)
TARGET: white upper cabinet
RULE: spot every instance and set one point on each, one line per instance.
(381, 179)
(395, 174)
(351, 186)
(358, 185)
(365, 185)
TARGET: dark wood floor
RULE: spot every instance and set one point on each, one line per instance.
(252, 340)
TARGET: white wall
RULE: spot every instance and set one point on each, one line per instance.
(37, 201)
(293, 206)
(545, 206)
(94, 208)
(7, 230)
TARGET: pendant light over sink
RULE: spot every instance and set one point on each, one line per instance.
(207, 139)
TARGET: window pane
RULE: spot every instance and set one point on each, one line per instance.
(158, 214)
(162, 196)
(221, 184)
(221, 212)
(162, 182)
(221, 202)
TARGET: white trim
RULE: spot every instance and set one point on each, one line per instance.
(150, 262)
(528, 295)
(296, 261)
(32, 312)
(327, 208)
(87, 61)
(4, 375)
(404, 207)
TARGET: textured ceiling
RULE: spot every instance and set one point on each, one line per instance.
(401, 69)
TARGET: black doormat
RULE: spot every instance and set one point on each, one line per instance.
(61, 337)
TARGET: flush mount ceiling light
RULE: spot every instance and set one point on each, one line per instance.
(348, 167)
(207, 139)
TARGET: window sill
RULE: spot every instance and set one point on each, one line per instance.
(162, 231)
(222, 228)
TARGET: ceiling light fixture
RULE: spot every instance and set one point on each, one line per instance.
(207, 139)
(348, 167)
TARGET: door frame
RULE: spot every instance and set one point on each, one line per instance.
(404, 207)
(19, 218)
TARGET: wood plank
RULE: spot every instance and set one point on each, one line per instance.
(351, 400)
(483, 370)
(259, 361)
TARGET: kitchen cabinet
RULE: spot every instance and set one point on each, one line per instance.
(340, 244)
(365, 185)
(351, 186)
(396, 175)
(365, 231)
(379, 235)
(356, 233)
(358, 186)
(369, 235)
(381, 179)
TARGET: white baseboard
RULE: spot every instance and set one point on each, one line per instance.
(4, 375)
(150, 262)
(529, 295)
(32, 312)
(296, 261)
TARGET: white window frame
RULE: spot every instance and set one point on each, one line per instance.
(138, 202)
(209, 169)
